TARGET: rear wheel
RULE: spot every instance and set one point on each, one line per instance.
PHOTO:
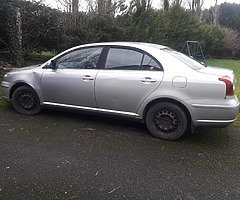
(166, 121)
(25, 101)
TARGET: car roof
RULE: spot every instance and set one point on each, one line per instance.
(133, 44)
(140, 45)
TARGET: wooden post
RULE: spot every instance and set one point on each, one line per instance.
(215, 14)
(18, 45)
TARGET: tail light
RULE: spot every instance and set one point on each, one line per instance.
(229, 85)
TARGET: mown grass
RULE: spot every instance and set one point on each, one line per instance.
(44, 53)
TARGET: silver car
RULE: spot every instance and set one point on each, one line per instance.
(165, 89)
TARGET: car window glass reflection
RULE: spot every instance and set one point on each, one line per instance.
(149, 63)
(123, 59)
(86, 58)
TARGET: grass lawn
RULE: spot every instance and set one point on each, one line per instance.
(44, 53)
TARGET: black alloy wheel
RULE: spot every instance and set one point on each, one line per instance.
(166, 121)
(25, 101)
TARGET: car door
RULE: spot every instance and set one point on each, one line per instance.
(72, 82)
(129, 76)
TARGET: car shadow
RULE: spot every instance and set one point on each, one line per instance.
(208, 137)
(204, 137)
(104, 120)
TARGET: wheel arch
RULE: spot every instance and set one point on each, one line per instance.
(16, 86)
(169, 100)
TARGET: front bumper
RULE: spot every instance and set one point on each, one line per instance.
(217, 113)
(6, 90)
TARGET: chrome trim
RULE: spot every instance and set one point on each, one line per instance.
(216, 121)
(5, 98)
(214, 106)
(92, 109)
(5, 84)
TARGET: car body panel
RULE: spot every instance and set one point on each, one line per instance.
(122, 92)
(69, 86)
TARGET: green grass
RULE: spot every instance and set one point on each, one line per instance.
(44, 53)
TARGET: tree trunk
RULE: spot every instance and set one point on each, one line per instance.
(101, 7)
(215, 14)
(75, 6)
(198, 8)
(104, 8)
(193, 5)
(166, 5)
(18, 45)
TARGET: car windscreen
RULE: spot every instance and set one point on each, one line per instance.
(185, 59)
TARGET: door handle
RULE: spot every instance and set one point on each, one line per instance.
(148, 80)
(87, 78)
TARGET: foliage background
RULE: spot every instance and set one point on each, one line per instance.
(47, 29)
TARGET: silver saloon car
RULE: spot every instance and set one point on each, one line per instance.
(168, 91)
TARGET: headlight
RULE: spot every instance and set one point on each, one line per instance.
(7, 74)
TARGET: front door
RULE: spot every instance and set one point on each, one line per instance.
(72, 82)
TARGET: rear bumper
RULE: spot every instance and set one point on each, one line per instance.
(214, 123)
(218, 113)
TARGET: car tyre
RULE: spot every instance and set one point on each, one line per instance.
(25, 101)
(166, 121)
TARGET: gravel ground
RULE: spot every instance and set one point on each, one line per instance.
(62, 155)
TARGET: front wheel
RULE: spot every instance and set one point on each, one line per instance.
(25, 101)
(166, 121)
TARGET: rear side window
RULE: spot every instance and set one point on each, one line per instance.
(130, 59)
(123, 59)
(150, 64)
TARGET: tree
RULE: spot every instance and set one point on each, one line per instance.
(215, 13)
(178, 2)
(12, 28)
(166, 5)
(196, 7)
(75, 6)
(104, 8)
(229, 16)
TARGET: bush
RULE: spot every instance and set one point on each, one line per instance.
(46, 29)
(231, 47)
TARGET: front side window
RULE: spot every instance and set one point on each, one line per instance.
(86, 58)
(123, 59)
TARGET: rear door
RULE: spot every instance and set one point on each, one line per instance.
(129, 76)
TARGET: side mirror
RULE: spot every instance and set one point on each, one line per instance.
(53, 64)
(204, 64)
(50, 65)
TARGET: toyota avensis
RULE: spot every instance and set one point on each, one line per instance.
(165, 89)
